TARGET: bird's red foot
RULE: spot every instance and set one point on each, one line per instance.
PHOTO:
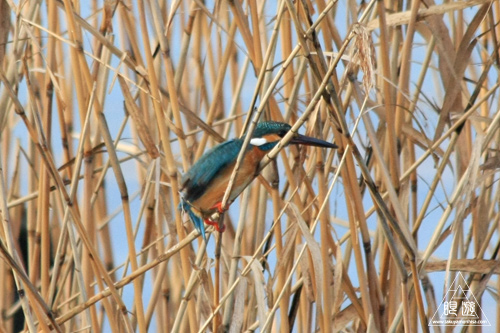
(219, 207)
(220, 210)
(215, 225)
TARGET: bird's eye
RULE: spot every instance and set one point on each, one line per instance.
(282, 133)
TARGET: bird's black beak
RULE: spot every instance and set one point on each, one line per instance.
(309, 141)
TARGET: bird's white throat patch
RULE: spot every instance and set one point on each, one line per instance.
(258, 141)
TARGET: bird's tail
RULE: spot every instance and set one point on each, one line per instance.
(196, 219)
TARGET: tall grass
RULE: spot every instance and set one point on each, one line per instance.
(103, 106)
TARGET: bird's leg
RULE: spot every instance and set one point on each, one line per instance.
(215, 224)
(219, 207)
(215, 216)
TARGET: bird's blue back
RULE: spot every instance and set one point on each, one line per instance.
(206, 169)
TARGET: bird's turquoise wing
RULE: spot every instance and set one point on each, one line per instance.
(206, 169)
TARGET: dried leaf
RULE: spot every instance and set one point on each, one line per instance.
(260, 289)
(337, 281)
(239, 307)
(314, 250)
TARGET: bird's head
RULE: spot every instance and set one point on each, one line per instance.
(268, 133)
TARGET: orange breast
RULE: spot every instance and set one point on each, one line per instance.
(217, 187)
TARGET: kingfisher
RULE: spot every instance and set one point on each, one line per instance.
(204, 185)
